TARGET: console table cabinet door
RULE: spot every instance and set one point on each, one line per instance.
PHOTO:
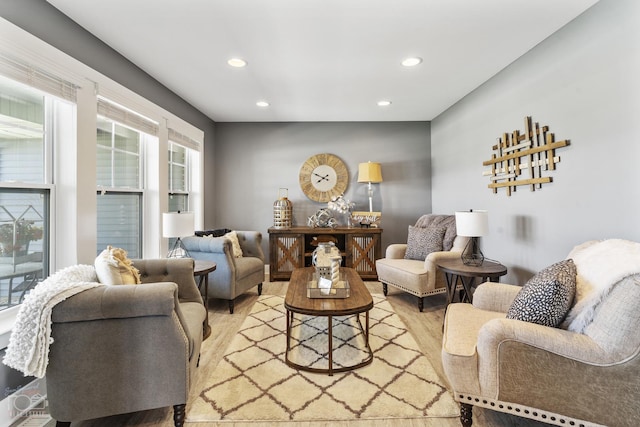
(291, 248)
(362, 252)
(286, 253)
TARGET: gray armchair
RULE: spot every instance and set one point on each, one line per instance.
(125, 348)
(233, 276)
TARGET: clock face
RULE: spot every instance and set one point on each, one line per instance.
(323, 176)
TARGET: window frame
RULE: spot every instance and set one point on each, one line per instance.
(46, 187)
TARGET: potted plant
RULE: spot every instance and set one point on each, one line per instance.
(15, 237)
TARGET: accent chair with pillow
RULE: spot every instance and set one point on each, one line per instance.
(563, 349)
(412, 266)
(239, 261)
(113, 348)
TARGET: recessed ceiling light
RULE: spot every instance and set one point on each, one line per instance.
(384, 103)
(237, 62)
(262, 104)
(411, 62)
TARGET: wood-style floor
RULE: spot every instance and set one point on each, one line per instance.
(426, 328)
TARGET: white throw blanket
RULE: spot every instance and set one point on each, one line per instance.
(28, 349)
(600, 264)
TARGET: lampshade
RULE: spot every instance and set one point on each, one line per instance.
(177, 224)
(369, 172)
(473, 223)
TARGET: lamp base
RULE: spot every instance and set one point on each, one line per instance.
(471, 254)
(178, 250)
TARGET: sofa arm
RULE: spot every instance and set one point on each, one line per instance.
(431, 262)
(396, 251)
(575, 346)
(493, 296)
(251, 244)
(118, 302)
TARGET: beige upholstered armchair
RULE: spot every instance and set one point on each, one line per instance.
(583, 372)
(124, 348)
(416, 272)
(237, 270)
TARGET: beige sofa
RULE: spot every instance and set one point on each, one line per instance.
(583, 372)
(125, 348)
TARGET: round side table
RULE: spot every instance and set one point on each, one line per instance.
(201, 271)
(456, 272)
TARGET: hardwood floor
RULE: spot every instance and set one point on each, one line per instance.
(426, 328)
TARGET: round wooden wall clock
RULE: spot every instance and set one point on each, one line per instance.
(323, 176)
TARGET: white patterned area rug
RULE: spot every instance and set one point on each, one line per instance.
(253, 383)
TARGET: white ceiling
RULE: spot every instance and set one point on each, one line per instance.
(322, 60)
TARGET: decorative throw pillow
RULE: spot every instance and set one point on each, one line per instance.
(547, 297)
(235, 244)
(422, 241)
(114, 268)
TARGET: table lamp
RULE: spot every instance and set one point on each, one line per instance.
(370, 172)
(472, 224)
(177, 224)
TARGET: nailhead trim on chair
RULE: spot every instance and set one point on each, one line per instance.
(523, 411)
(412, 292)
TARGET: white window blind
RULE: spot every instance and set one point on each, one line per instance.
(183, 140)
(127, 117)
(37, 78)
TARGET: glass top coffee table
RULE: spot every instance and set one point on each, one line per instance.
(358, 301)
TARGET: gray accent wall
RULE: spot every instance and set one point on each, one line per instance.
(254, 160)
(584, 83)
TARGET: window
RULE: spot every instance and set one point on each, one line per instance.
(119, 179)
(178, 178)
(25, 187)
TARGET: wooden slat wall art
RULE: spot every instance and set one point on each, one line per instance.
(521, 158)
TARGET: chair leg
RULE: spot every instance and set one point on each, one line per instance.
(259, 289)
(466, 414)
(420, 304)
(63, 423)
(230, 306)
(179, 414)
(385, 289)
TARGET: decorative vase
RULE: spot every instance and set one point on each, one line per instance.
(323, 253)
(282, 210)
(321, 258)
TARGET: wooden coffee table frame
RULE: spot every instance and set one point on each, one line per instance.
(359, 301)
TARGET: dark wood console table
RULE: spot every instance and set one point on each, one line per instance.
(291, 248)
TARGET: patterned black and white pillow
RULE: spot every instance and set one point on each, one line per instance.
(422, 241)
(547, 297)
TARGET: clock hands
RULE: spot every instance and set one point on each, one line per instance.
(322, 178)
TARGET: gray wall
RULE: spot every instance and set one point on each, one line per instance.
(583, 82)
(47, 23)
(253, 160)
